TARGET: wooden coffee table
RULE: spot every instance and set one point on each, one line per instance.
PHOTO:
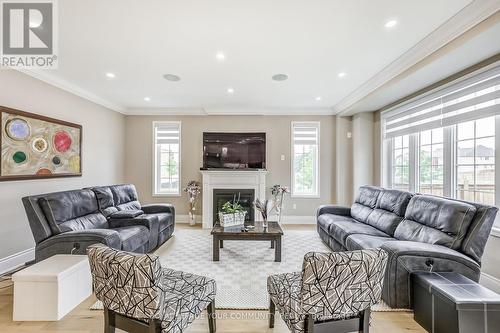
(272, 233)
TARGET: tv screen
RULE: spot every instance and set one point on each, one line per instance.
(234, 150)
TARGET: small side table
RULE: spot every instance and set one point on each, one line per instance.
(50, 289)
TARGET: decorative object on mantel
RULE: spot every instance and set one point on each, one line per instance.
(34, 146)
(264, 207)
(232, 213)
(193, 189)
(278, 192)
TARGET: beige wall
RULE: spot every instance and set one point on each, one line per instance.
(343, 165)
(362, 150)
(103, 150)
(139, 154)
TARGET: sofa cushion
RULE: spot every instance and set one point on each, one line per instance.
(342, 229)
(133, 237)
(326, 220)
(105, 200)
(365, 202)
(72, 210)
(390, 210)
(436, 220)
(125, 197)
(362, 242)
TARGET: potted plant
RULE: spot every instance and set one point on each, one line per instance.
(232, 213)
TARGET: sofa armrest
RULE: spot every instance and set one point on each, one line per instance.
(158, 208)
(333, 209)
(76, 242)
(149, 221)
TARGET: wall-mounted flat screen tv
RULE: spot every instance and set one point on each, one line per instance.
(234, 150)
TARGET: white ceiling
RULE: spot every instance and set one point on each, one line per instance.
(311, 41)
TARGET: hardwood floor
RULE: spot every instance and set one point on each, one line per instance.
(83, 320)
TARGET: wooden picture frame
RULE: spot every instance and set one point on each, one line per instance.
(33, 146)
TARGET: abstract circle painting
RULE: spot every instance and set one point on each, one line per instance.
(17, 129)
(19, 157)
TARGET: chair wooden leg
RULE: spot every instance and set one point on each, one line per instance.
(154, 326)
(212, 324)
(309, 324)
(366, 321)
(109, 321)
(272, 312)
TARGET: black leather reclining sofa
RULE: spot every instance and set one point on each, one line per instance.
(419, 232)
(67, 222)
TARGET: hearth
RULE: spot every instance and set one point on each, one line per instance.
(246, 199)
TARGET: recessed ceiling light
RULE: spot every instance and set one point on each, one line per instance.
(318, 98)
(147, 99)
(391, 23)
(230, 90)
(220, 56)
(171, 77)
(280, 77)
(110, 75)
(341, 74)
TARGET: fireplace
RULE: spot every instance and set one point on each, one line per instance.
(246, 197)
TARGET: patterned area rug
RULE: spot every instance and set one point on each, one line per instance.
(241, 274)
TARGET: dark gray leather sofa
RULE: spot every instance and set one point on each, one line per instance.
(63, 222)
(418, 232)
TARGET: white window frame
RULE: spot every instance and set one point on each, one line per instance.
(317, 193)
(156, 161)
(449, 151)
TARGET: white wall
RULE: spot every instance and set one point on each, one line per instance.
(103, 151)
(343, 165)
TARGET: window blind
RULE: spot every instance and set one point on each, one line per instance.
(305, 133)
(167, 132)
(473, 98)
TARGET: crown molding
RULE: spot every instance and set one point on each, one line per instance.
(72, 88)
(229, 111)
(470, 16)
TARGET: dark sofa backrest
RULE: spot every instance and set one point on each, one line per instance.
(436, 220)
(105, 200)
(38, 223)
(72, 210)
(381, 208)
(125, 197)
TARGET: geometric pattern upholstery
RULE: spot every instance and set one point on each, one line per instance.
(136, 286)
(331, 286)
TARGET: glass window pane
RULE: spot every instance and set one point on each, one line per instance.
(485, 178)
(426, 137)
(485, 127)
(465, 152)
(406, 156)
(465, 178)
(437, 135)
(398, 142)
(437, 175)
(437, 154)
(465, 130)
(485, 151)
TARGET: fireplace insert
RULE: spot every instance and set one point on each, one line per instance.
(246, 199)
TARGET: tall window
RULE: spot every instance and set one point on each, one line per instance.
(167, 157)
(453, 135)
(305, 159)
(431, 162)
(401, 163)
(475, 161)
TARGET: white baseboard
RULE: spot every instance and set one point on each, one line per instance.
(16, 260)
(285, 219)
(490, 282)
(185, 219)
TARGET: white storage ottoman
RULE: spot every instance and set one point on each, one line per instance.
(50, 289)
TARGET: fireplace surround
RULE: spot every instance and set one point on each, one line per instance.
(230, 180)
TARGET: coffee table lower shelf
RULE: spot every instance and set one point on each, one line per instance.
(218, 243)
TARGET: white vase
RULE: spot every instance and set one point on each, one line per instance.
(192, 218)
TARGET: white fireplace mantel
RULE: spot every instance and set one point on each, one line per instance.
(230, 179)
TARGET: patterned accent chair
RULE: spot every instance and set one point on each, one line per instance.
(333, 293)
(141, 296)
